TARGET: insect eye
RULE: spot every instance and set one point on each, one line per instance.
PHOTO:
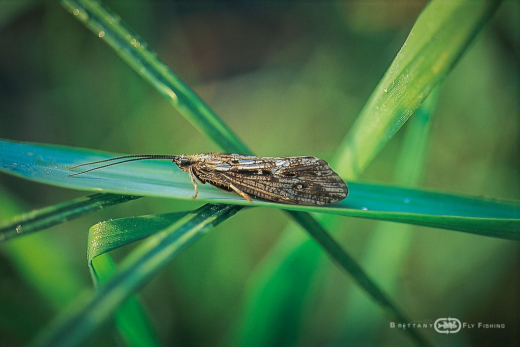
(183, 161)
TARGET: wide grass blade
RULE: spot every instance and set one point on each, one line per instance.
(49, 164)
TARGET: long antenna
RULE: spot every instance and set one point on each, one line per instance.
(120, 160)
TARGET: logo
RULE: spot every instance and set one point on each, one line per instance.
(447, 325)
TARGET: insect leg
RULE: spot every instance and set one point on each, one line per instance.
(239, 192)
(192, 177)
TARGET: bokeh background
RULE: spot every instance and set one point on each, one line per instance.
(289, 78)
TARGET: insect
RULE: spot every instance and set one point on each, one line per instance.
(303, 180)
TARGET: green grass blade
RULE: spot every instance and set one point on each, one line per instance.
(109, 27)
(106, 236)
(49, 164)
(409, 170)
(46, 217)
(276, 295)
(352, 267)
(32, 257)
(388, 248)
(438, 39)
(131, 319)
(74, 326)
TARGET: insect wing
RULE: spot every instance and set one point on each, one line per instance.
(290, 180)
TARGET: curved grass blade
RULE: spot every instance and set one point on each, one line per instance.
(131, 319)
(49, 164)
(75, 325)
(49, 216)
(106, 236)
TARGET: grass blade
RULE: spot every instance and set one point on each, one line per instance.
(106, 236)
(49, 164)
(109, 27)
(437, 41)
(46, 217)
(131, 319)
(32, 257)
(74, 326)
(389, 246)
(352, 267)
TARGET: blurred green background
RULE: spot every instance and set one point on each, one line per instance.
(289, 79)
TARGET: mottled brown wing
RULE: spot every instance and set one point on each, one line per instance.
(290, 180)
